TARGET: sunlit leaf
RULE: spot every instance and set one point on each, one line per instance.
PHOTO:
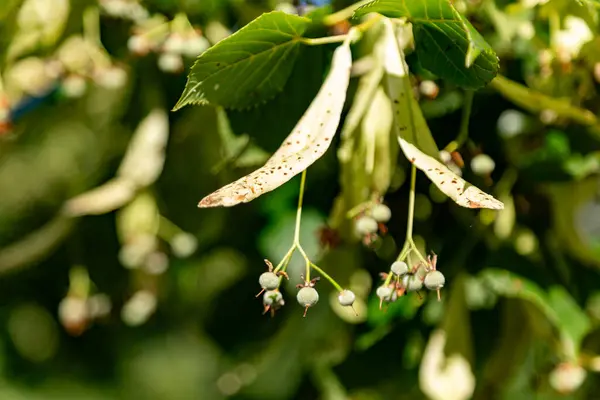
(446, 42)
(306, 144)
(248, 67)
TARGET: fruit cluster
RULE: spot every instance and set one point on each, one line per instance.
(403, 279)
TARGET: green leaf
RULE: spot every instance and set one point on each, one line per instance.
(446, 42)
(249, 67)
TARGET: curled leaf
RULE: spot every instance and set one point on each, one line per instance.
(413, 133)
(308, 141)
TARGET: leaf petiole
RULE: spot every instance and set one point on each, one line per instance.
(324, 40)
(343, 14)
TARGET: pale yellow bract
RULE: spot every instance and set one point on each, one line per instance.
(309, 140)
(414, 136)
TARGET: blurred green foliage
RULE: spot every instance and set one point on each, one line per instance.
(113, 285)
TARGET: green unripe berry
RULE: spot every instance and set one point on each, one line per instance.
(381, 213)
(434, 280)
(384, 293)
(307, 297)
(272, 297)
(399, 268)
(346, 298)
(482, 164)
(414, 283)
(268, 281)
(366, 225)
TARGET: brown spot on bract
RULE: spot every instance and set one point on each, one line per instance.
(442, 182)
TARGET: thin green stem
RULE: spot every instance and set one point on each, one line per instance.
(418, 253)
(343, 14)
(353, 212)
(167, 229)
(305, 256)
(404, 252)
(463, 133)
(411, 203)
(285, 259)
(324, 40)
(91, 25)
(329, 278)
(364, 26)
(299, 211)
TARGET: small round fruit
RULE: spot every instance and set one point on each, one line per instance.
(307, 296)
(384, 293)
(414, 284)
(482, 164)
(346, 297)
(268, 281)
(434, 280)
(399, 268)
(366, 225)
(381, 213)
(272, 297)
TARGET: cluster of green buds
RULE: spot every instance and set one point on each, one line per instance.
(401, 280)
(307, 296)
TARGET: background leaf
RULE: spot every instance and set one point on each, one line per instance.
(250, 66)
